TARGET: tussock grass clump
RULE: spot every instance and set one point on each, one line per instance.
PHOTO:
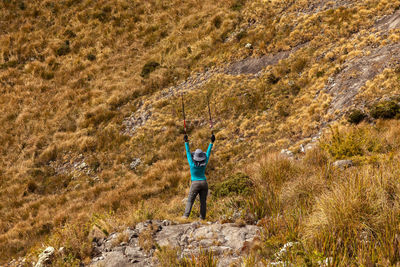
(361, 209)
(268, 176)
(351, 216)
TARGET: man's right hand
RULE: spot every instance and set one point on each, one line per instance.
(186, 138)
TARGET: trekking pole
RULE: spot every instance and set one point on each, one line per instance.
(184, 118)
(209, 113)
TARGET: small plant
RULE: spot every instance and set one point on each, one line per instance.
(238, 5)
(32, 187)
(146, 240)
(69, 33)
(91, 57)
(148, 68)
(205, 258)
(319, 74)
(64, 49)
(356, 142)
(238, 184)
(168, 256)
(217, 21)
(241, 35)
(272, 79)
(299, 65)
(356, 116)
(385, 110)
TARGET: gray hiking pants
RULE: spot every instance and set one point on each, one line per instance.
(201, 188)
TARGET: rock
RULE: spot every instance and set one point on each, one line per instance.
(114, 259)
(309, 146)
(46, 257)
(287, 153)
(226, 241)
(82, 165)
(61, 251)
(343, 164)
(96, 234)
(166, 223)
(135, 163)
(248, 46)
(282, 253)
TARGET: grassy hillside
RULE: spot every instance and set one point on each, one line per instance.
(87, 87)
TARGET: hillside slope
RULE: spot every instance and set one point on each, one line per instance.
(91, 124)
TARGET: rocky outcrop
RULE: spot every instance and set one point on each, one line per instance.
(226, 241)
(345, 86)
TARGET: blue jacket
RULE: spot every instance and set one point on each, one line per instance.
(197, 173)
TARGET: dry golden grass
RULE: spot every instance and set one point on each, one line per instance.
(70, 73)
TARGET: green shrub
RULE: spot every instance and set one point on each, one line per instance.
(272, 79)
(91, 57)
(385, 110)
(217, 21)
(47, 75)
(64, 49)
(148, 68)
(320, 74)
(32, 186)
(241, 35)
(356, 116)
(238, 5)
(299, 64)
(69, 33)
(237, 184)
(355, 142)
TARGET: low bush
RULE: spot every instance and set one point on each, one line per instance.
(148, 68)
(385, 110)
(91, 57)
(63, 49)
(356, 116)
(354, 142)
(237, 184)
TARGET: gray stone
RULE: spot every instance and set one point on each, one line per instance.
(343, 164)
(135, 163)
(225, 240)
(287, 153)
(114, 259)
(46, 257)
(134, 252)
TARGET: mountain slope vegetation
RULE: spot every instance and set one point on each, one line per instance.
(91, 128)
